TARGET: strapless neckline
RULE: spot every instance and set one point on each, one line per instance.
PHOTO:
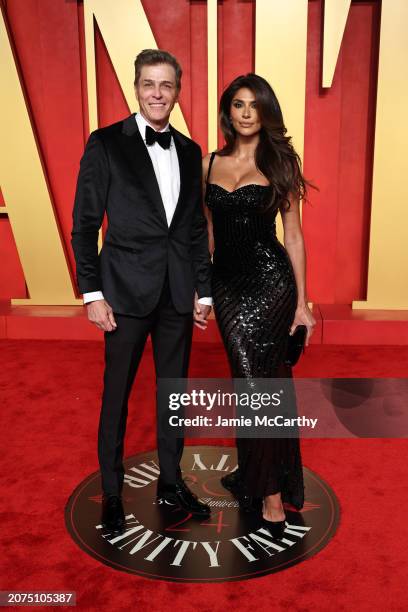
(239, 188)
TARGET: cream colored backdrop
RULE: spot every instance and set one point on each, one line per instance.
(123, 22)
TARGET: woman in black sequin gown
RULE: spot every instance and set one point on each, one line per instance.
(258, 284)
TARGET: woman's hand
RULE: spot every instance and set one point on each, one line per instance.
(303, 316)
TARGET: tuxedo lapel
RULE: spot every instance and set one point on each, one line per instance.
(142, 164)
(185, 174)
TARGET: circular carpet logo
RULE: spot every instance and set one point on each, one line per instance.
(164, 542)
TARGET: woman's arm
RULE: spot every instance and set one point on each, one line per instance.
(295, 247)
(207, 211)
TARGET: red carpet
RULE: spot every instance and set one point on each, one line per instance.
(50, 394)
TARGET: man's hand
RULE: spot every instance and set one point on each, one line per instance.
(201, 312)
(101, 314)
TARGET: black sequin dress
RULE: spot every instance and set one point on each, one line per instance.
(255, 297)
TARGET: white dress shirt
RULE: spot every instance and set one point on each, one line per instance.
(166, 168)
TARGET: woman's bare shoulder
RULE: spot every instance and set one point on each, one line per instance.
(206, 159)
(206, 163)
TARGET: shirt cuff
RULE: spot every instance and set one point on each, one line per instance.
(92, 296)
(206, 301)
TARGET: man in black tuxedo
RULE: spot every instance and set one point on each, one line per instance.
(154, 270)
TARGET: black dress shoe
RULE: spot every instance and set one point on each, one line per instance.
(275, 528)
(113, 516)
(180, 495)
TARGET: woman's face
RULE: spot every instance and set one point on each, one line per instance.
(244, 113)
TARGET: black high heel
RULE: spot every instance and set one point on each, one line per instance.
(248, 503)
(275, 528)
(233, 483)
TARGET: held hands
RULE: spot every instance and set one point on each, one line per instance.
(303, 316)
(200, 314)
(101, 314)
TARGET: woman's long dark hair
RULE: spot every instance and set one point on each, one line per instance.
(275, 155)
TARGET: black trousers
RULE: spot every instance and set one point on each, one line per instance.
(171, 335)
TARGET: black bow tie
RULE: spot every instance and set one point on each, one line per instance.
(163, 138)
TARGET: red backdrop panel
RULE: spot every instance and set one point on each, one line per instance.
(48, 39)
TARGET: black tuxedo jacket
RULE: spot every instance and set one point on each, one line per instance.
(117, 177)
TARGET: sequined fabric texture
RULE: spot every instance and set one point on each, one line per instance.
(255, 297)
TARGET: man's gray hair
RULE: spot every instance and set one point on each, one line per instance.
(151, 57)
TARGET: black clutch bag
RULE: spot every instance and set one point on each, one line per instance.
(296, 345)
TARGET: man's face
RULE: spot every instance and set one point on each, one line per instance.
(156, 93)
